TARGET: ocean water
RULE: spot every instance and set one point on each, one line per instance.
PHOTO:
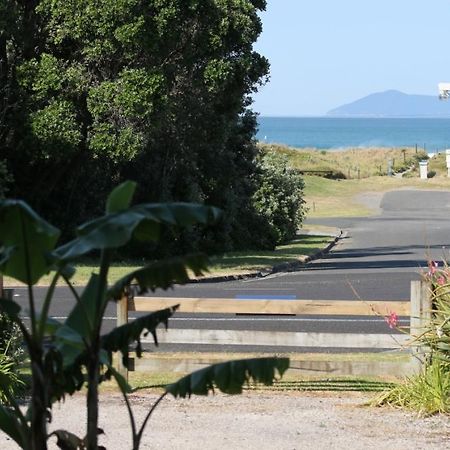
(340, 133)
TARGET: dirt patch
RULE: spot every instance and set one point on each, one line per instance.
(258, 420)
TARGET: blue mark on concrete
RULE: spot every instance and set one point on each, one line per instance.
(265, 297)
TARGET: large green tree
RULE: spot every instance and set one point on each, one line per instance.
(101, 90)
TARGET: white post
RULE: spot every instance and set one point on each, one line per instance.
(423, 166)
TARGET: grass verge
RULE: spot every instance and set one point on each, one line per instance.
(244, 262)
(358, 198)
(229, 264)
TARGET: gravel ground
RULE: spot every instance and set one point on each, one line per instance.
(259, 420)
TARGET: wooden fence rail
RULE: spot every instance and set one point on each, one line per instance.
(418, 309)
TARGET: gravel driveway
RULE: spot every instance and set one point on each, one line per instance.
(260, 420)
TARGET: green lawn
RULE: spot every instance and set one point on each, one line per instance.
(242, 262)
(228, 264)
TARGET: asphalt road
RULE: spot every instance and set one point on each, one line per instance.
(376, 260)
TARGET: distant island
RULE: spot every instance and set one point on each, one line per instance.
(394, 104)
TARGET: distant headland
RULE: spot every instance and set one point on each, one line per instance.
(394, 104)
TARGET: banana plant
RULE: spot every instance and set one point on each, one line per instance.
(65, 356)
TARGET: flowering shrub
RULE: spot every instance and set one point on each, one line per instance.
(429, 391)
(437, 336)
(392, 320)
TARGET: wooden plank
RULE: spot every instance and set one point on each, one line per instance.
(265, 306)
(280, 338)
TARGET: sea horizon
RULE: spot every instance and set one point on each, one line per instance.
(335, 133)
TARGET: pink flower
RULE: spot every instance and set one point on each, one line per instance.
(441, 280)
(432, 267)
(391, 320)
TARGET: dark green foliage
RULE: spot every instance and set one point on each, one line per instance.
(335, 175)
(96, 92)
(18, 231)
(5, 179)
(121, 337)
(229, 377)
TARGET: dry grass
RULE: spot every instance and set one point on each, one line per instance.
(353, 163)
(364, 171)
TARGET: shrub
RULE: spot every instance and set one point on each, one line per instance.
(279, 196)
(429, 392)
(335, 175)
(11, 354)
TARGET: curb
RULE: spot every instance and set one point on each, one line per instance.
(283, 267)
(318, 368)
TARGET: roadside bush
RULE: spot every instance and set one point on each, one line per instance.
(429, 392)
(11, 354)
(431, 174)
(335, 175)
(279, 197)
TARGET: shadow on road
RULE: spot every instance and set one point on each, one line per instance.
(387, 257)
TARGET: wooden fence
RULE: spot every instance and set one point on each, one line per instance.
(418, 309)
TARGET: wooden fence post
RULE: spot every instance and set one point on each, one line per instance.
(421, 306)
(122, 319)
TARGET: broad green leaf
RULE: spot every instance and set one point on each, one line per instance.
(13, 427)
(229, 377)
(82, 316)
(77, 329)
(26, 241)
(161, 274)
(141, 222)
(120, 198)
(121, 337)
(6, 253)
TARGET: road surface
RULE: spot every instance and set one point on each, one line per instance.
(376, 260)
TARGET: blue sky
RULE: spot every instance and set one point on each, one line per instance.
(325, 53)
